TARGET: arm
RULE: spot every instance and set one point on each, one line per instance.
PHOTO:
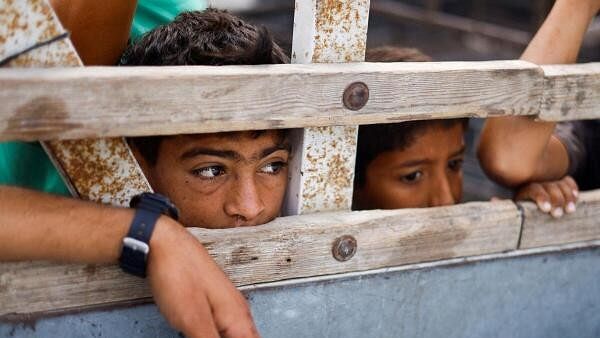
(99, 29)
(189, 288)
(516, 150)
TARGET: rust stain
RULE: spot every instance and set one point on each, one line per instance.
(101, 169)
(25, 23)
(328, 168)
(340, 33)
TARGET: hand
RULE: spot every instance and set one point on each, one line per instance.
(554, 197)
(189, 288)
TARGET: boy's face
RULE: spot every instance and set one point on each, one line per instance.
(222, 180)
(427, 173)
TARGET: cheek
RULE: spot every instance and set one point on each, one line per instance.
(272, 191)
(199, 210)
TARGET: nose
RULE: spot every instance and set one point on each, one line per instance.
(244, 202)
(441, 192)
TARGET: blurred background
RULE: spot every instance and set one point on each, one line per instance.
(447, 30)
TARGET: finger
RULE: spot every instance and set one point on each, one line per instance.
(556, 199)
(236, 320)
(534, 192)
(199, 321)
(573, 185)
(569, 205)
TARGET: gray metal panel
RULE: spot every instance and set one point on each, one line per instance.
(549, 295)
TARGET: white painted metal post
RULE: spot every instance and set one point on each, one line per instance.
(102, 170)
(322, 166)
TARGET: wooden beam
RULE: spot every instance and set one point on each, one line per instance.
(72, 103)
(540, 229)
(571, 92)
(289, 247)
(102, 170)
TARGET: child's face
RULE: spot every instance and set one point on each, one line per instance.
(222, 180)
(427, 173)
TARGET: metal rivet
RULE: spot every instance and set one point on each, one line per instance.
(356, 96)
(344, 248)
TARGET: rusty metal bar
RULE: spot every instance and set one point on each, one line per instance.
(326, 31)
(102, 170)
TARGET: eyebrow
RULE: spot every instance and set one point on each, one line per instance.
(230, 154)
(197, 151)
(268, 151)
(460, 152)
(413, 163)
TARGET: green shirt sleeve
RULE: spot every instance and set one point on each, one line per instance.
(152, 13)
(27, 165)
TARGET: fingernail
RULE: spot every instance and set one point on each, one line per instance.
(557, 213)
(575, 193)
(570, 208)
(545, 206)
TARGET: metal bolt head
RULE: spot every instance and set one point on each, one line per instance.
(356, 96)
(344, 248)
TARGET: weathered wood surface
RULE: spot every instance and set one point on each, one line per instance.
(290, 247)
(102, 170)
(541, 229)
(571, 92)
(322, 165)
(134, 101)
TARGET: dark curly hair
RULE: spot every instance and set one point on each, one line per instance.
(212, 38)
(379, 138)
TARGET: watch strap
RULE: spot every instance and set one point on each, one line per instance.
(136, 246)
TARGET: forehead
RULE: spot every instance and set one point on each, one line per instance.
(436, 142)
(242, 141)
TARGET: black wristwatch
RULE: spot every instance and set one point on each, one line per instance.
(134, 254)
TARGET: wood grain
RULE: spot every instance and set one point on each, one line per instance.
(119, 101)
(289, 247)
(571, 92)
(540, 229)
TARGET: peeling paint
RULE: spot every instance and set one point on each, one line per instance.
(328, 168)
(340, 31)
(101, 170)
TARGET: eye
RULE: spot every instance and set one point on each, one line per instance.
(273, 168)
(456, 164)
(209, 172)
(412, 177)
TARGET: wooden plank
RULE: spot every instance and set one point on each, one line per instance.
(289, 247)
(571, 92)
(110, 101)
(102, 170)
(322, 166)
(540, 229)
